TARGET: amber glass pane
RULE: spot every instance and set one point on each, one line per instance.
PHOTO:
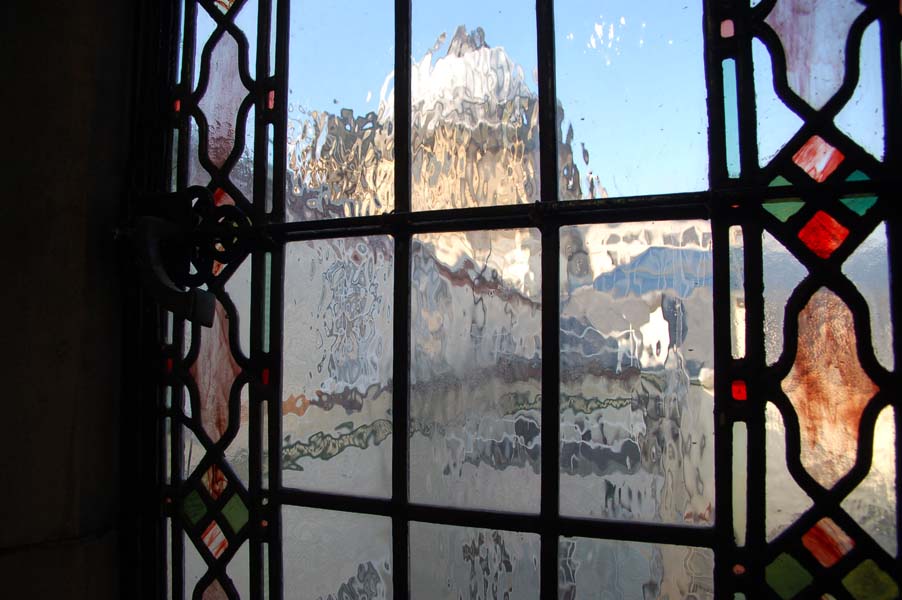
(827, 387)
(448, 563)
(474, 122)
(631, 98)
(614, 569)
(340, 109)
(637, 372)
(337, 362)
(475, 380)
(329, 554)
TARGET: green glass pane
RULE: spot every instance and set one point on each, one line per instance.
(235, 512)
(860, 204)
(787, 577)
(867, 581)
(784, 210)
(778, 181)
(857, 176)
(194, 508)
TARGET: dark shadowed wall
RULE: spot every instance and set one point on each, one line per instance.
(67, 125)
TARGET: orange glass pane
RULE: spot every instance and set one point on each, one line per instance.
(827, 387)
(827, 542)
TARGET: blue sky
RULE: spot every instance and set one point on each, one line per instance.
(630, 75)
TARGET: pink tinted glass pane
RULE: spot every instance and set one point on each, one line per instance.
(214, 371)
(222, 99)
(813, 34)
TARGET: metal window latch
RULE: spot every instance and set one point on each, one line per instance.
(172, 231)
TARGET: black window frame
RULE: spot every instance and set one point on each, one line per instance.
(728, 202)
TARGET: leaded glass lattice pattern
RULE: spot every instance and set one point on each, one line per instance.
(480, 331)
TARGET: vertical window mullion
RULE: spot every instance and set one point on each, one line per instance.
(548, 172)
(401, 349)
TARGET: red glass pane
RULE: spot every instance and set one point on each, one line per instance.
(215, 539)
(739, 390)
(818, 158)
(827, 542)
(823, 234)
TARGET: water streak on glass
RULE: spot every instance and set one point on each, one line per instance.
(267, 302)
(246, 20)
(350, 554)
(222, 98)
(192, 452)
(631, 91)
(167, 450)
(270, 167)
(873, 502)
(813, 34)
(448, 563)
(340, 109)
(589, 568)
(782, 273)
(337, 365)
(868, 269)
(740, 481)
(475, 380)
(827, 387)
(239, 571)
(174, 162)
(785, 501)
(167, 577)
(637, 372)
(862, 117)
(737, 292)
(731, 117)
(776, 122)
(264, 429)
(195, 567)
(180, 46)
(214, 371)
(474, 121)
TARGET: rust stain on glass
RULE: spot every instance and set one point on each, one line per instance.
(214, 371)
(827, 387)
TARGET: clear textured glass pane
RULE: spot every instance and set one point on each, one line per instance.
(740, 481)
(475, 364)
(337, 365)
(633, 571)
(239, 571)
(862, 117)
(776, 123)
(340, 109)
(167, 545)
(782, 273)
(637, 372)
(873, 502)
(328, 554)
(868, 268)
(785, 501)
(474, 122)
(167, 450)
(448, 563)
(731, 117)
(737, 292)
(195, 567)
(631, 97)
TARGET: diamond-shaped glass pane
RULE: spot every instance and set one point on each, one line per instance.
(823, 234)
(194, 508)
(827, 542)
(867, 581)
(235, 513)
(214, 539)
(787, 577)
(818, 158)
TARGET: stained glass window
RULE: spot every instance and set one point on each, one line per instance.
(533, 300)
